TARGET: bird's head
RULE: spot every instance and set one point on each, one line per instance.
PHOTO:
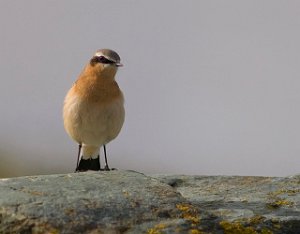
(106, 60)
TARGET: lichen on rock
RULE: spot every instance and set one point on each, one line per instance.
(131, 202)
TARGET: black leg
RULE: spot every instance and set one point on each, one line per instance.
(78, 156)
(106, 168)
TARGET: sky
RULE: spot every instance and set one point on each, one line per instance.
(211, 87)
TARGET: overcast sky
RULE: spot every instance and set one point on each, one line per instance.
(211, 87)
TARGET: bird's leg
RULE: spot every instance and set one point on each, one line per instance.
(106, 168)
(78, 156)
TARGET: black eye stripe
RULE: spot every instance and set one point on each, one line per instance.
(102, 59)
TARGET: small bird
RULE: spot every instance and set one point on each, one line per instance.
(93, 109)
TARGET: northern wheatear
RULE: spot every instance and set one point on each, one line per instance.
(93, 109)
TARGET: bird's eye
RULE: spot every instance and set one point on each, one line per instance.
(102, 59)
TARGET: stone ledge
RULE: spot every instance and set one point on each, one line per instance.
(131, 202)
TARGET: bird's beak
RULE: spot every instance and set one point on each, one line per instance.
(119, 65)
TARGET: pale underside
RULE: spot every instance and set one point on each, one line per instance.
(92, 124)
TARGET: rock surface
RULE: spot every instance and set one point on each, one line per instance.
(131, 202)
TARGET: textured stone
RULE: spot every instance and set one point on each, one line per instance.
(130, 202)
(260, 204)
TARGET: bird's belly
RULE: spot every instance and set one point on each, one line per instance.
(94, 123)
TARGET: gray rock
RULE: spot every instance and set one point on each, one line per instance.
(130, 202)
(253, 204)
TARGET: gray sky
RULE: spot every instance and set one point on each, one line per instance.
(211, 87)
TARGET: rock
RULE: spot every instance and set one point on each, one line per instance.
(244, 204)
(131, 202)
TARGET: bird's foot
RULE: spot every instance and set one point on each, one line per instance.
(106, 168)
(92, 164)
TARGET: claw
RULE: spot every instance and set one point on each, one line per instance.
(106, 168)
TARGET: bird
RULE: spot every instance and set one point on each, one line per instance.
(93, 110)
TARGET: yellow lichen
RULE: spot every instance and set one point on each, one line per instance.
(53, 231)
(236, 228)
(266, 231)
(279, 203)
(157, 229)
(45, 228)
(153, 231)
(290, 192)
(284, 203)
(196, 231)
(257, 219)
(191, 217)
(160, 226)
(183, 207)
(125, 193)
(189, 213)
(276, 223)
